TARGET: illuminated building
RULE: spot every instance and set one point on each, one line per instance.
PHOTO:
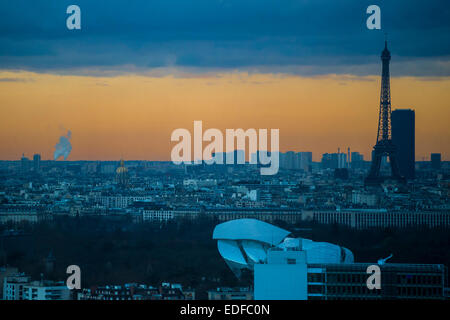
(122, 175)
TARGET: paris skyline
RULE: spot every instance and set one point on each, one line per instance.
(317, 81)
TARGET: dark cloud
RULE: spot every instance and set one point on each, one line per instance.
(305, 36)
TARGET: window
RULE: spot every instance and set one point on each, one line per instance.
(315, 289)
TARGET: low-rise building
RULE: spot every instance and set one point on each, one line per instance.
(18, 214)
(133, 291)
(6, 272)
(398, 281)
(226, 293)
(363, 198)
(13, 286)
(46, 290)
(379, 218)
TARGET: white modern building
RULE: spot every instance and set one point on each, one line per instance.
(246, 242)
(280, 263)
(20, 287)
(46, 290)
(283, 277)
(287, 268)
(13, 286)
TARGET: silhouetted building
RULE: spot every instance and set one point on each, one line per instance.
(356, 156)
(436, 161)
(403, 137)
(305, 159)
(334, 160)
(357, 160)
(37, 162)
(288, 160)
(24, 163)
(296, 160)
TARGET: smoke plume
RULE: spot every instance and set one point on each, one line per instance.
(64, 147)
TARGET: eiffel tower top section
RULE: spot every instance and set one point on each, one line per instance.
(384, 119)
(385, 54)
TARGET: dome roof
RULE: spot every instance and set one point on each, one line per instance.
(121, 168)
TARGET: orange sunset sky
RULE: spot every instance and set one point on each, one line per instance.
(133, 116)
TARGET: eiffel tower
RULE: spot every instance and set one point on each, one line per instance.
(384, 145)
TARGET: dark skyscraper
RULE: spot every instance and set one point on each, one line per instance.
(37, 162)
(436, 161)
(357, 160)
(24, 163)
(403, 137)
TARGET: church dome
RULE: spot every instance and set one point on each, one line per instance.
(121, 168)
